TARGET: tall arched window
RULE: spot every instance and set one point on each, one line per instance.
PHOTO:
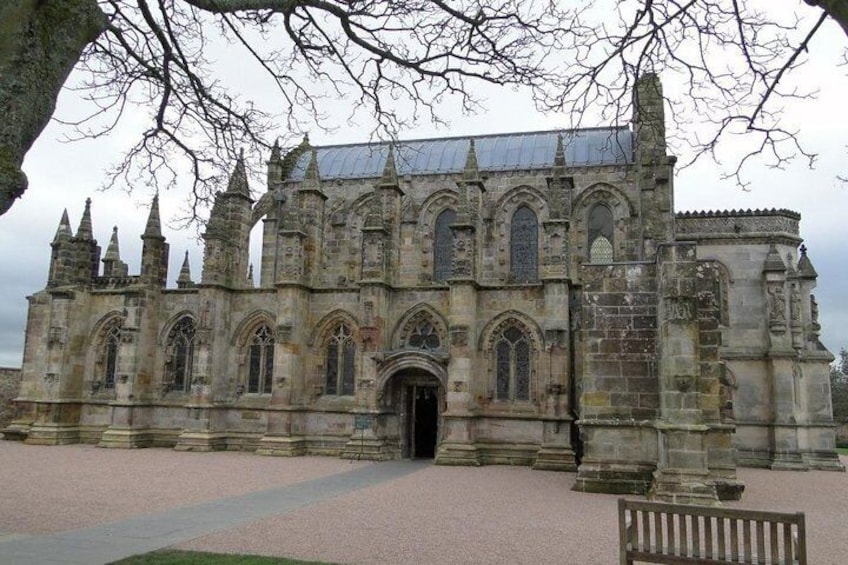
(261, 364)
(341, 354)
(111, 343)
(524, 246)
(512, 364)
(180, 351)
(443, 245)
(600, 234)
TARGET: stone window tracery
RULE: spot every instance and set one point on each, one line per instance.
(443, 245)
(180, 351)
(512, 364)
(601, 228)
(341, 356)
(524, 246)
(260, 370)
(111, 343)
(424, 336)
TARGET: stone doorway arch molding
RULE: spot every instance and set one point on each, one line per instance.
(380, 429)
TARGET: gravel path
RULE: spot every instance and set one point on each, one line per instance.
(49, 489)
(446, 515)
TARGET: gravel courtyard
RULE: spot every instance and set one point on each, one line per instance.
(430, 514)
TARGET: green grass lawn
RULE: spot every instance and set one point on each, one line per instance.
(842, 450)
(174, 557)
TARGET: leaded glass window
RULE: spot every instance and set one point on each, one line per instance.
(111, 343)
(524, 246)
(424, 336)
(512, 364)
(180, 348)
(443, 245)
(260, 370)
(601, 234)
(341, 357)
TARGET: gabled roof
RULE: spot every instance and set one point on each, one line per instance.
(504, 152)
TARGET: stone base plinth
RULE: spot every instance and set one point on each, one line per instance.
(824, 461)
(613, 477)
(17, 430)
(368, 448)
(684, 487)
(52, 434)
(281, 446)
(462, 454)
(124, 438)
(201, 441)
(555, 458)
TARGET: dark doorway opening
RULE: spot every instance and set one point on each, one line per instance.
(423, 411)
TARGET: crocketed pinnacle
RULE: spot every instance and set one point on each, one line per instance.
(471, 172)
(559, 156)
(113, 252)
(275, 151)
(84, 230)
(238, 178)
(154, 225)
(390, 176)
(805, 266)
(64, 229)
(184, 279)
(773, 261)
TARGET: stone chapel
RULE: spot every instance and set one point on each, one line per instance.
(527, 298)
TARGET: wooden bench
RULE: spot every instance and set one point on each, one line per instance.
(655, 532)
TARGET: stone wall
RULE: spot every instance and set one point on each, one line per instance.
(10, 385)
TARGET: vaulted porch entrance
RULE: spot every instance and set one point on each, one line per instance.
(418, 399)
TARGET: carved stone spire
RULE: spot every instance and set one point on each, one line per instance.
(275, 151)
(84, 230)
(471, 172)
(113, 252)
(63, 232)
(559, 158)
(390, 175)
(238, 178)
(184, 279)
(773, 261)
(112, 264)
(311, 176)
(805, 266)
(154, 225)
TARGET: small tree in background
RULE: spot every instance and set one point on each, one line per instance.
(839, 387)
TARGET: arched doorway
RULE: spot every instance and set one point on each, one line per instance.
(417, 399)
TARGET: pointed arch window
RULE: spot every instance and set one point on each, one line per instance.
(524, 246)
(341, 356)
(111, 345)
(512, 364)
(261, 361)
(180, 350)
(601, 226)
(443, 245)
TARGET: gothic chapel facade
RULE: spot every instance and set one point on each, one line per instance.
(525, 298)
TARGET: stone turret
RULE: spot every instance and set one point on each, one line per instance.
(154, 250)
(112, 264)
(655, 168)
(62, 255)
(227, 234)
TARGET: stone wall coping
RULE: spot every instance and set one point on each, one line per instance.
(617, 423)
(739, 213)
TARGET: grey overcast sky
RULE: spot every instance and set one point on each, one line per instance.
(63, 175)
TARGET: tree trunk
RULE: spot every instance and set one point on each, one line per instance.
(40, 42)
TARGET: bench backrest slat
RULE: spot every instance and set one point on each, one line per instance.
(676, 533)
